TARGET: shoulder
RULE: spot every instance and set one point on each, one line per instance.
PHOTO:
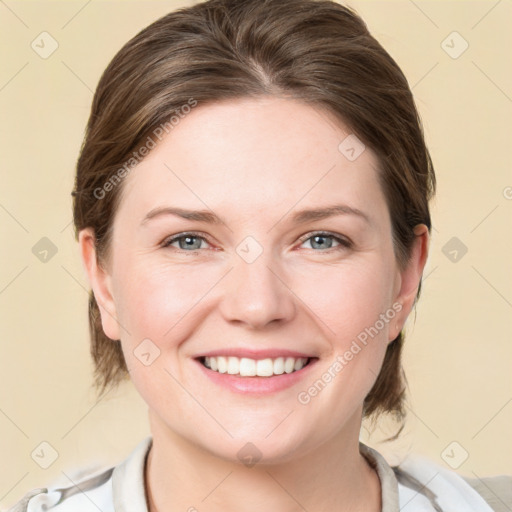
(421, 480)
(496, 491)
(22, 505)
(90, 493)
(120, 487)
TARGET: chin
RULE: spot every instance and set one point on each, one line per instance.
(278, 448)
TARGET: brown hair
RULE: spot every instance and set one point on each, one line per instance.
(316, 51)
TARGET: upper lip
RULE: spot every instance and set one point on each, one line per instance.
(255, 354)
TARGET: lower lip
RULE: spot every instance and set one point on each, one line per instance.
(256, 385)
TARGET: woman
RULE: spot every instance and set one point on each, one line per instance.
(251, 205)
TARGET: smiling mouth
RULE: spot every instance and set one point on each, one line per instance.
(246, 367)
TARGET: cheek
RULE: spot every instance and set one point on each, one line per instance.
(159, 308)
(356, 313)
(353, 308)
(154, 300)
(348, 298)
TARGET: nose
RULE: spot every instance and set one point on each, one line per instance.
(256, 294)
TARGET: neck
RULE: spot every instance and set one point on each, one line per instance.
(180, 476)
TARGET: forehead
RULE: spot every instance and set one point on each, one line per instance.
(251, 155)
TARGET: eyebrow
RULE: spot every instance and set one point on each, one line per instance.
(303, 216)
(299, 217)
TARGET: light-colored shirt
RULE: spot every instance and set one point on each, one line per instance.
(417, 485)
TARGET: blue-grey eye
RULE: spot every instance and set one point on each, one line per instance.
(321, 242)
(325, 241)
(187, 242)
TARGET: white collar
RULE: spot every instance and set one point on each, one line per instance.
(417, 484)
(128, 490)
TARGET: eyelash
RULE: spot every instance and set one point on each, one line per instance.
(343, 242)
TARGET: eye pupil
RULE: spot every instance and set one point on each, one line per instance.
(315, 242)
(189, 242)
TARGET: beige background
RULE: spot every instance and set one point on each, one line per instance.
(459, 349)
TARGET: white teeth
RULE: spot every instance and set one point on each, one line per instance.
(279, 365)
(222, 364)
(298, 365)
(264, 368)
(246, 367)
(289, 364)
(233, 365)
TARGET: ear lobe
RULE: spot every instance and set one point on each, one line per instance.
(100, 282)
(408, 279)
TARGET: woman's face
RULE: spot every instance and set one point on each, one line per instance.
(250, 279)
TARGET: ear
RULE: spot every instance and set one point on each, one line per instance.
(408, 280)
(101, 283)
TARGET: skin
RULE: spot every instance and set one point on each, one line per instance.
(254, 162)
